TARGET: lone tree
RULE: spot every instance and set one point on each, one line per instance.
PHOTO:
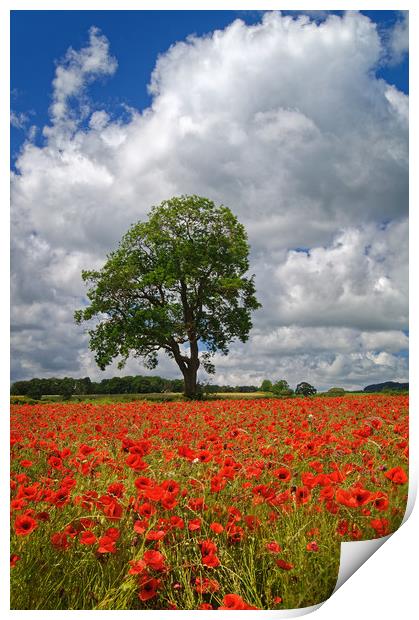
(305, 389)
(175, 281)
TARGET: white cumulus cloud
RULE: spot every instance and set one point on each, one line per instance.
(285, 122)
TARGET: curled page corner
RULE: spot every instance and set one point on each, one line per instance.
(292, 613)
(355, 553)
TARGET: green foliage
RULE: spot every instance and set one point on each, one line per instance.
(82, 386)
(266, 386)
(22, 400)
(336, 391)
(305, 389)
(176, 279)
(66, 388)
(281, 388)
(35, 389)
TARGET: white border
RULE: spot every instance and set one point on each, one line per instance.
(385, 587)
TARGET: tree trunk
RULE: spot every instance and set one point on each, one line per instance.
(189, 367)
(189, 376)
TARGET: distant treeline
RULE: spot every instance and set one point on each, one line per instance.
(139, 384)
(387, 386)
(66, 387)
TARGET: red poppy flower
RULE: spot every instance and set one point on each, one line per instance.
(26, 463)
(14, 559)
(110, 507)
(55, 462)
(327, 492)
(86, 523)
(170, 486)
(312, 546)
(146, 510)
(71, 530)
(177, 522)
(208, 546)
(381, 501)
(197, 504)
(137, 567)
(362, 496)
(281, 498)
(204, 456)
(211, 560)
(116, 488)
(284, 565)
(85, 450)
(18, 504)
(381, 526)
(217, 528)
(148, 588)
(142, 447)
(397, 475)
(234, 601)
(113, 532)
(252, 522)
(204, 585)
(142, 483)
(61, 498)
(302, 495)
(283, 474)
(194, 524)
(154, 560)
(106, 545)
(342, 527)
(346, 498)
(235, 534)
(87, 538)
(140, 526)
(87, 500)
(28, 493)
(154, 493)
(273, 547)
(168, 501)
(60, 541)
(217, 484)
(136, 462)
(24, 525)
(234, 514)
(155, 535)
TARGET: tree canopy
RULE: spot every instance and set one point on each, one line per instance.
(281, 387)
(266, 386)
(176, 281)
(305, 389)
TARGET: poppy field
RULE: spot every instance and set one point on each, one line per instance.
(201, 505)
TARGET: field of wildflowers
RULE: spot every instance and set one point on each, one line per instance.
(203, 505)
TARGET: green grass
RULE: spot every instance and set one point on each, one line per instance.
(150, 397)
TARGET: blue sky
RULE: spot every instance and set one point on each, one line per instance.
(137, 38)
(300, 126)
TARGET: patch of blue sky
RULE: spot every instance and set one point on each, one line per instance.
(303, 250)
(136, 40)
